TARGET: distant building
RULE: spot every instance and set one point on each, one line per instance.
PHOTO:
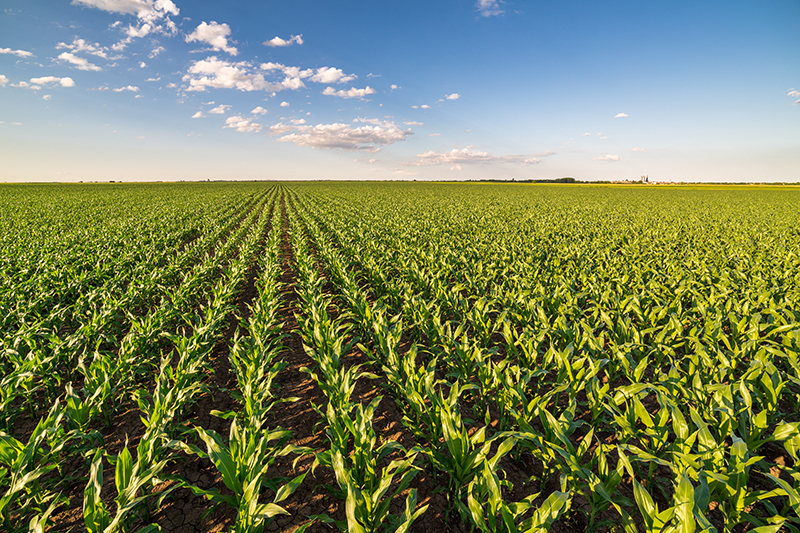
(645, 179)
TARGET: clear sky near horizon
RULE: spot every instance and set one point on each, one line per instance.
(245, 89)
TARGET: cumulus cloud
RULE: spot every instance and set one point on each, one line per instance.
(220, 109)
(219, 74)
(64, 82)
(792, 92)
(156, 51)
(470, 156)
(18, 53)
(131, 88)
(277, 41)
(153, 15)
(143, 9)
(350, 93)
(331, 75)
(244, 125)
(587, 134)
(620, 115)
(259, 111)
(47, 97)
(199, 114)
(79, 45)
(3, 80)
(285, 104)
(454, 96)
(370, 136)
(489, 8)
(394, 87)
(607, 158)
(79, 63)
(215, 35)
(414, 123)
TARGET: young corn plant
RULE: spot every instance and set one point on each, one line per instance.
(243, 464)
(460, 456)
(367, 488)
(488, 511)
(132, 479)
(22, 466)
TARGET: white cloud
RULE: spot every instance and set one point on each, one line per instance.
(489, 8)
(153, 16)
(281, 128)
(470, 156)
(144, 9)
(18, 53)
(64, 82)
(792, 92)
(153, 79)
(244, 125)
(79, 45)
(47, 97)
(277, 41)
(424, 106)
(219, 74)
(414, 123)
(394, 87)
(156, 51)
(454, 96)
(285, 104)
(403, 172)
(213, 34)
(370, 136)
(587, 134)
(607, 158)
(220, 109)
(259, 111)
(3, 80)
(434, 135)
(199, 114)
(620, 115)
(350, 93)
(80, 63)
(131, 88)
(331, 75)
(456, 167)
(142, 64)
(141, 31)
(637, 149)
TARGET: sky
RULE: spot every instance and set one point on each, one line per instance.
(140, 90)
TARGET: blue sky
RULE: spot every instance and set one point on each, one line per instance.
(177, 90)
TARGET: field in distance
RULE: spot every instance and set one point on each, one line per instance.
(318, 356)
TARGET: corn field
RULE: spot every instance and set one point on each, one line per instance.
(392, 357)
